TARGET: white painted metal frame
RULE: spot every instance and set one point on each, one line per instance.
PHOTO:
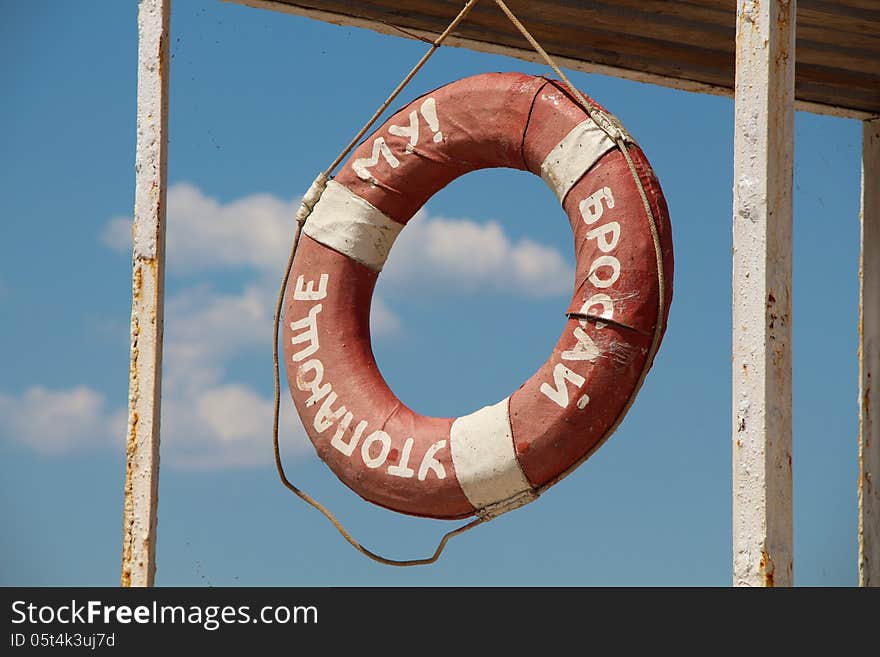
(762, 245)
(869, 360)
(148, 280)
(762, 236)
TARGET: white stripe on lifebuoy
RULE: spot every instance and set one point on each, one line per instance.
(346, 223)
(484, 458)
(572, 157)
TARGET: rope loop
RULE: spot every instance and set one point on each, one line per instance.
(310, 198)
(609, 125)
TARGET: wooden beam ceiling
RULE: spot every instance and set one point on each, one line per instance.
(682, 44)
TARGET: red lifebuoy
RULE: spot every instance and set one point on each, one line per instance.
(503, 455)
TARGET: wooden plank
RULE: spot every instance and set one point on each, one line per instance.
(623, 23)
(566, 31)
(834, 16)
(706, 74)
(819, 35)
(843, 92)
(718, 13)
(762, 236)
(148, 265)
(837, 56)
(869, 360)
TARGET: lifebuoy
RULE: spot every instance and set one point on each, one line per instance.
(505, 454)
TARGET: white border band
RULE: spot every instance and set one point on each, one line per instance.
(346, 223)
(572, 157)
(484, 457)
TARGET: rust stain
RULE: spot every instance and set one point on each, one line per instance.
(162, 53)
(863, 476)
(131, 447)
(137, 282)
(766, 568)
(131, 439)
(778, 353)
(128, 512)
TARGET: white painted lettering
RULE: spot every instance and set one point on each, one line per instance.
(584, 348)
(591, 207)
(305, 290)
(607, 236)
(599, 299)
(604, 261)
(339, 443)
(361, 165)
(411, 131)
(402, 468)
(429, 111)
(559, 394)
(309, 327)
(429, 463)
(326, 416)
(314, 386)
(376, 437)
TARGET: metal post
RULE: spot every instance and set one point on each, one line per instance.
(148, 280)
(762, 231)
(869, 359)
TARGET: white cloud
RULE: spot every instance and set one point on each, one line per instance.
(470, 257)
(204, 329)
(255, 232)
(203, 234)
(210, 420)
(54, 422)
(226, 425)
(383, 321)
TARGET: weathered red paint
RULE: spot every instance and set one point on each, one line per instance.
(492, 120)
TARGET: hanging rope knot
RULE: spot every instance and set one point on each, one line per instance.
(607, 122)
(311, 198)
(611, 125)
(611, 129)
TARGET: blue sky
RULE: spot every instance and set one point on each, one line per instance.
(260, 102)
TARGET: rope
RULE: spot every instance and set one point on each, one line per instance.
(415, 69)
(314, 193)
(615, 134)
(308, 203)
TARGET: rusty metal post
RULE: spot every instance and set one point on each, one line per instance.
(762, 232)
(869, 360)
(148, 280)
